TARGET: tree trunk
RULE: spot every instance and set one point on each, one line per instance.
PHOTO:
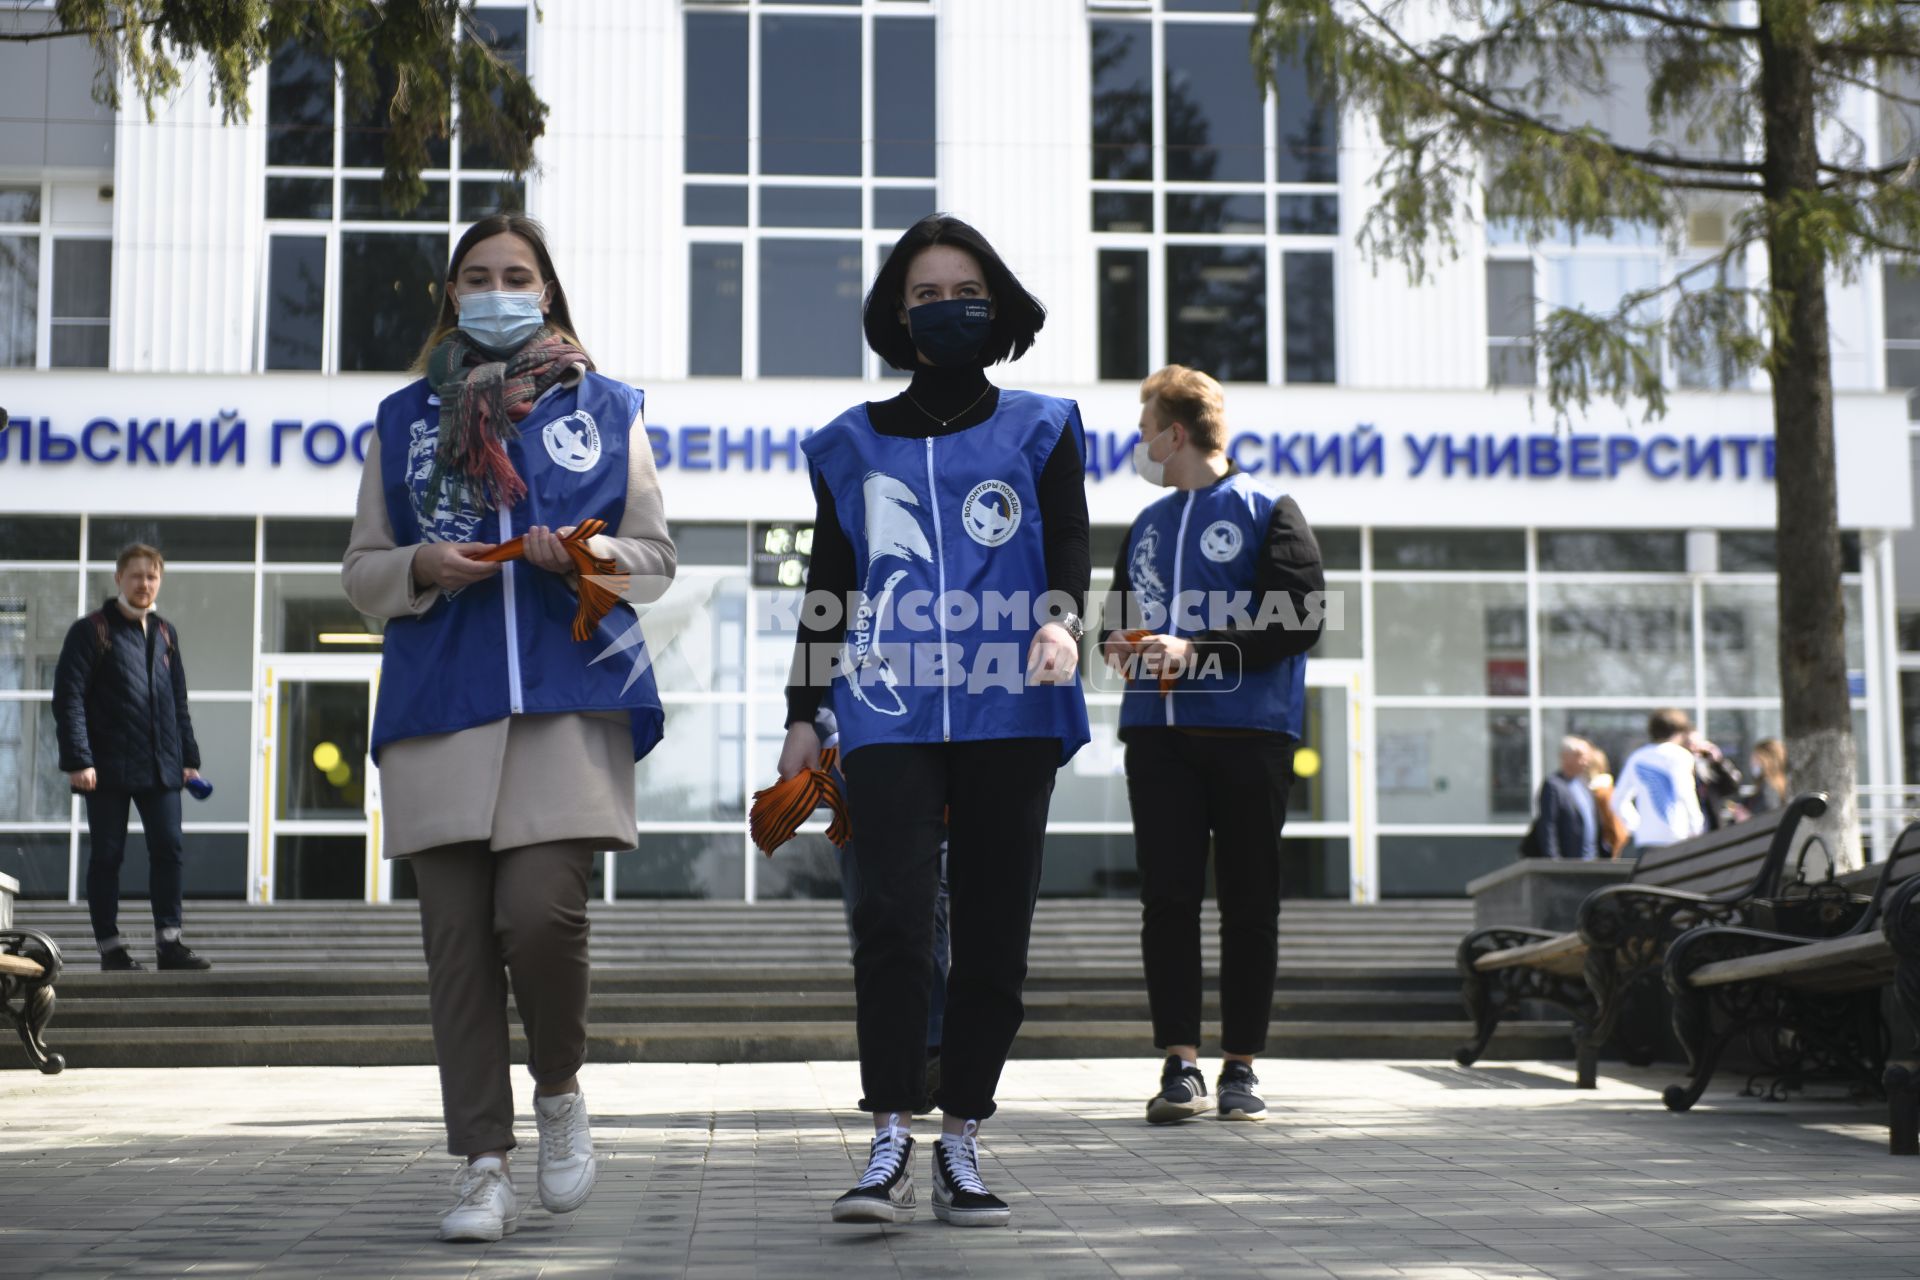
(1811, 606)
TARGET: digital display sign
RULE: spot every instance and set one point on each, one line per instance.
(781, 553)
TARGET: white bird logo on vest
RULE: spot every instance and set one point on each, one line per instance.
(989, 519)
(893, 533)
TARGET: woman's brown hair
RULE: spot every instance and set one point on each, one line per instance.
(1771, 755)
(559, 315)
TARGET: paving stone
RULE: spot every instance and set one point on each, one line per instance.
(1368, 1170)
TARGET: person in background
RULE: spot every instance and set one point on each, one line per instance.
(1717, 783)
(1209, 760)
(126, 740)
(1613, 832)
(1656, 795)
(506, 748)
(1769, 767)
(1569, 819)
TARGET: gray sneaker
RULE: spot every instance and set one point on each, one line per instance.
(1183, 1092)
(1238, 1101)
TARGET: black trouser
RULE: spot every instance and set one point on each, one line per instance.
(995, 795)
(1181, 787)
(107, 825)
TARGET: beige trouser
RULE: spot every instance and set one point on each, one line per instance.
(485, 916)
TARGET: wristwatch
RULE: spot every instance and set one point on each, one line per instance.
(1075, 628)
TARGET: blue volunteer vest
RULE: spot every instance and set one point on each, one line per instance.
(1187, 551)
(953, 517)
(504, 646)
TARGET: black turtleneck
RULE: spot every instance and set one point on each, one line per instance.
(940, 402)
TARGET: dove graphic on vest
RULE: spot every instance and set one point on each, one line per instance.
(991, 512)
(573, 441)
(1221, 542)
(893, 533)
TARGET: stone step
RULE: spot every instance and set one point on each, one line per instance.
(229, 982)
(653, 1007)
(294, 919)
(791, 1041)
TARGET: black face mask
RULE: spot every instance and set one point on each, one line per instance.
(951, 332)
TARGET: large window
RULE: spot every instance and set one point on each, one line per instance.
(1902, 287)
(1596, 273)
(1215, 210)
(789, 199)
(56, 275)
(352, 283)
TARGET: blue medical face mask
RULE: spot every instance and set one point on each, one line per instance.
(953, 331)
(499, 320)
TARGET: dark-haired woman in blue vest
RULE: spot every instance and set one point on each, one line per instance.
(1217, 596)
(952, 527)
(506, 748)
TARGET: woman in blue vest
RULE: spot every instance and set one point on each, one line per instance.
(506, 748)
(952, 523)
(1216, 600)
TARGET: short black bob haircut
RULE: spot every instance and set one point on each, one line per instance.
(1017, 314)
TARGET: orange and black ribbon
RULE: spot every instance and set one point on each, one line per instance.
(1134, 639)
(600, 584)
(779, 810)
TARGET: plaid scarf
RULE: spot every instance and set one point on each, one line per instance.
(482, 398)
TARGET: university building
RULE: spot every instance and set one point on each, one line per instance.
(197, 320)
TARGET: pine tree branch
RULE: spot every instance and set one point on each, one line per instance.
(1853, 49)
(1492, 107)
(1885, 245)
(29, 37)
(1677, 21)
(1874, 87)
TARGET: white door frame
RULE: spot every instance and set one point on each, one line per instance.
(278, 669)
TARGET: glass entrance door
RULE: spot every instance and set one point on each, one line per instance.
(1323, 855)
(320, 823)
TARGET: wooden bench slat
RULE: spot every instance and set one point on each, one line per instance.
(1669, 864)
(1565, 954)
(21, 966)
(1838, 964)
(1731, 866)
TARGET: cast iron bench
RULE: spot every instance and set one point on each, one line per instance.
(1809, 1005)
(1615, 953)
(29, 966)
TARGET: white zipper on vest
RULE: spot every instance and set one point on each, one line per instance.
(514, 701)
(940, 553)
(1179, 558)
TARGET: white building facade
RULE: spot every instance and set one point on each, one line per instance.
(198, 319)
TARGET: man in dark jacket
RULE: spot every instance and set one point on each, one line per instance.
(1569, 823)
(120, 708)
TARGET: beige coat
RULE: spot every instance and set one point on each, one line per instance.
(525, 779)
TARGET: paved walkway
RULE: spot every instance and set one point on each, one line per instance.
(1367, 1169)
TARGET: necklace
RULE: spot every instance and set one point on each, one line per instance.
(956, 417)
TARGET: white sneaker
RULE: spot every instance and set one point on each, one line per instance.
(487, 1208)
(566, 1151)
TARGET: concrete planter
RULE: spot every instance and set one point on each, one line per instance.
(1543, 893)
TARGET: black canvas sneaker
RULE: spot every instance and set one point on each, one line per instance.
(885, 1193)
(959, 1197)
